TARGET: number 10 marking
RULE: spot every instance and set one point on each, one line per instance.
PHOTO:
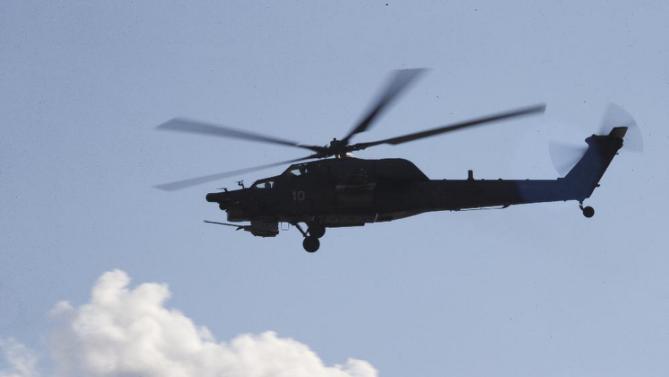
(299, 196)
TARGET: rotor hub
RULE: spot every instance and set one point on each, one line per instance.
(338, 148)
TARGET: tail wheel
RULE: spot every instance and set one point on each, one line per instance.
(588, 211)
(311, 244)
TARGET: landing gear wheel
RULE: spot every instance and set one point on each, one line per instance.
(316, 230)
(311, 244)
(588, 211)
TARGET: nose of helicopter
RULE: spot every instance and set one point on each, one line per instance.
(219, 197)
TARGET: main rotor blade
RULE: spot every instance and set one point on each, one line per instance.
(178, 185)
(202, 128)
(452, 127)
(398, 82)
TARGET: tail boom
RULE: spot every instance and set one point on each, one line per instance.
(578, 184)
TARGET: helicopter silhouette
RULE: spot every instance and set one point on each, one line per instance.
(330, 188)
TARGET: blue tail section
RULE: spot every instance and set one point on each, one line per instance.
(584, 177)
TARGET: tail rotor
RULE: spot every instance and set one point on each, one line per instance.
(564, 155)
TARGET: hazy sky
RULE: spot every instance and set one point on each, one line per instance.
(530, 290)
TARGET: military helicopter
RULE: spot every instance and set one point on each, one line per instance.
(329, 188)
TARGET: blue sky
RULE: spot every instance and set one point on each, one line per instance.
(531, 290)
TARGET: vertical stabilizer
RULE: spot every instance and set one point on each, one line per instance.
(584, 177)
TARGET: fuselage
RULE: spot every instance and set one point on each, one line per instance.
(351, 192)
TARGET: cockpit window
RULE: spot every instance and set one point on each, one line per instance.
(264, 185)
(298, 171)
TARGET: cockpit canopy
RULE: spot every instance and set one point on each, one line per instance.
(297, 170)
(264, 184)
(387, 169)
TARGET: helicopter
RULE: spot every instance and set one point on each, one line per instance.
(330, 188)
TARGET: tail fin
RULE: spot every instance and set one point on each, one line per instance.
(584, 177)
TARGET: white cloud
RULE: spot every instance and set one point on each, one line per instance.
(21, 362)
(129, 332)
